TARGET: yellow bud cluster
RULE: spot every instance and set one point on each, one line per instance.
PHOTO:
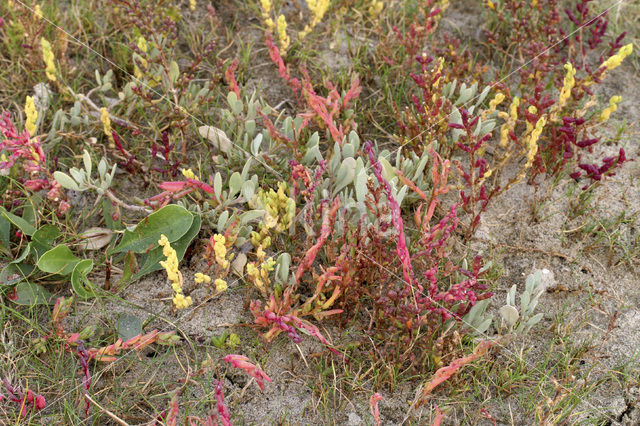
(259, 275)
(282, 33)
(173, 273)
(616, 60)
(375, 7)
(221, 285)
(49, 59)
(192, 5)
(613, 106)
(280, 212)
(220, 250)
(37, 11)
(32, 116)
(106, 126)
(188, 173)
(199, 278)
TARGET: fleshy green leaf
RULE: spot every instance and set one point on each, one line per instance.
(79, 281)
(173, 221)
(59, 260)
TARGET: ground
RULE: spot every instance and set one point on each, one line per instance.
(579, 365)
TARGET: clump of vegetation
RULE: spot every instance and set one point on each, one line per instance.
(320, 223)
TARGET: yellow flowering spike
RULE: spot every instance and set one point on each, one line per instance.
(221, 285)
(282, 33)
(613, 106)
(497, 100)
(266, 14)
(616, 60)
(37, 11)
(490, 5)
(569, 82)
(142, 44)
(192, 5)
(106, 126)
(318, 8)
(49, 59)
(173, 273)
(202, 278)
(32, 116)
(532, 143)
(188, 173)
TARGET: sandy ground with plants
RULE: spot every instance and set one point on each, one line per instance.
(586, 348)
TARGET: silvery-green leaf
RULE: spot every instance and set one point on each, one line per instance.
(256, 143)
(66, 181)
(222, 221)
(354, 140)
(314, 139)
(78, 175)
(511, 295)
(455, 117)
(388, 172)
(312, 154)
(217, 184)
(86, 159)
(251, 216)
(401, 194)
(487, 127)
(234, 103)
(284, 262)
(346, 173)
(347, 150)
(510, 314)
(102, 168)
(287, 126)
(361, 186)
(476, 131)
(535, 319)
(524, 301)
(484, 326)
(421, 165)
(235, 184)
(174, 71)
(248, 190)
(250, 127)
(97, 75)
(95, 238)
(483, 95)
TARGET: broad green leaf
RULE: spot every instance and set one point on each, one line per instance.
(173, 221)
(14, 273)
(31, 294)
(151, 261)
(59, 260)
(23, 225)
(47, 234)
(79, 281)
